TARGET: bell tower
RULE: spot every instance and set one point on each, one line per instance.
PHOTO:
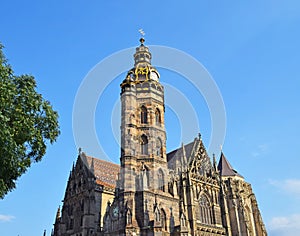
(143, 136)
(143, 202)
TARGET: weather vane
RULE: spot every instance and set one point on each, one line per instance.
(142, 32)
(142, 40)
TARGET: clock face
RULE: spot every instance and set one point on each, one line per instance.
(153, 76)
(115, 211)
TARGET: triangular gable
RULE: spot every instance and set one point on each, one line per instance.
(192, 156)
(175, 157)
(199, 161)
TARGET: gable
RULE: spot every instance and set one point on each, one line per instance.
(199, 162)
(192, 156)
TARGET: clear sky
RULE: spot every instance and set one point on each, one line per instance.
(250, 48)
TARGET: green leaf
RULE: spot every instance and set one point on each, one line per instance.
(27, 123)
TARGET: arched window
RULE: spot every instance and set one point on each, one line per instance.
(161, 184)
(163, 220)
(144, 115)
(128, 217)
(157, 214)
(157, 117)
(144, 145)
(183, 220)
(204, 214)
(145, 177)
(159, 150)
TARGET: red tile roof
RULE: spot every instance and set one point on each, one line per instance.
(106, 173)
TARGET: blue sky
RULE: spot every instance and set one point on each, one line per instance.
(250, 48)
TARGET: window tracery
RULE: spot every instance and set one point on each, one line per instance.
(203, 212)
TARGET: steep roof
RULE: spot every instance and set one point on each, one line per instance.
(185, 154)
(105, 172)
(225, 168)
(188, 148)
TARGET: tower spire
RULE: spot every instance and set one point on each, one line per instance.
(225, 168)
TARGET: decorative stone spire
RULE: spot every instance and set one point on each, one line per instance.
(215, 162)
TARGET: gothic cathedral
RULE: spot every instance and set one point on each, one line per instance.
(153, 192)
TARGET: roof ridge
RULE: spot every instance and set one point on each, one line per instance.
(102, 160)
(181, 147)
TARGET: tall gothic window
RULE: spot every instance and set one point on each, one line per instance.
(144, 115)
(145, 177)
(128, 217)
(157, 117)
(183, 220)
(159, 150)
(163, 220)
(161, 184)
(204, 214)
(144, 145)
(157, 214)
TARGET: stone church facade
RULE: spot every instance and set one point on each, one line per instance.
(153, 192)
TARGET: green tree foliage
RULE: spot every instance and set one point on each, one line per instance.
(27, 124)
